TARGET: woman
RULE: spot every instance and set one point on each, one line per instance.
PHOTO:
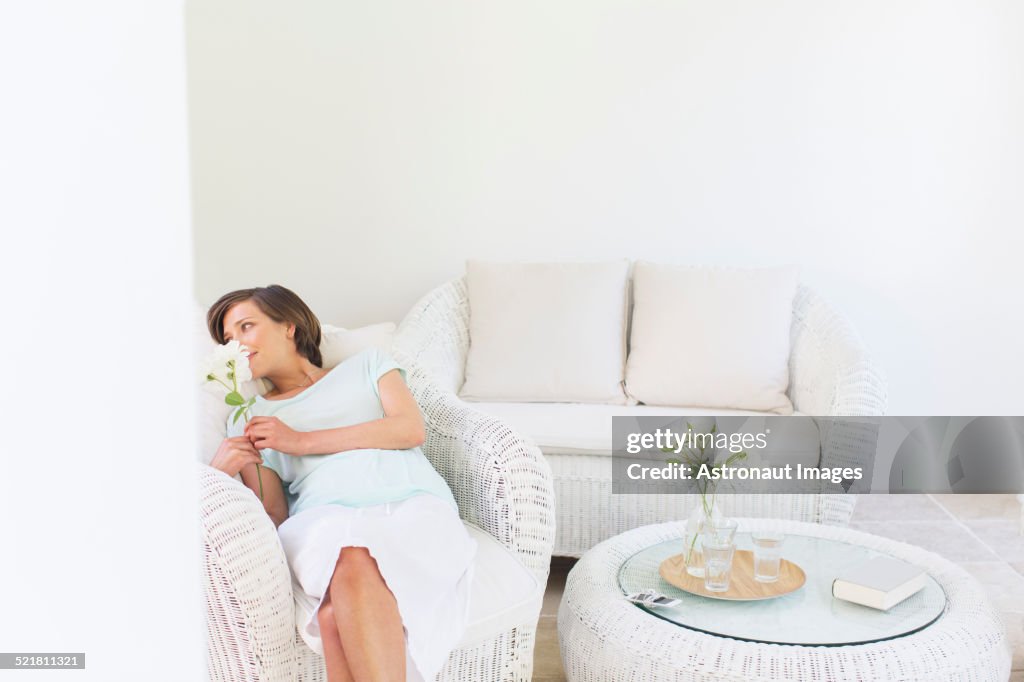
(368, 526)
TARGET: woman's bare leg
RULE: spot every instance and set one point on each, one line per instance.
(334, 655)
(368, 620)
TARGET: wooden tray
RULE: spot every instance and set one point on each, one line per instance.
(742, 586)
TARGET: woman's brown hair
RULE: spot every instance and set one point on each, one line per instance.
(280, 305)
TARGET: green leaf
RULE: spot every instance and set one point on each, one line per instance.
(714, 427)
(238, 413)
(234, 398)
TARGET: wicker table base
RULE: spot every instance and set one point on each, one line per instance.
(603, 637)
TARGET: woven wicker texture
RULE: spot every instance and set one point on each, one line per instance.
(250, 614)
(604, 637)
(501, 483)
(831, 374)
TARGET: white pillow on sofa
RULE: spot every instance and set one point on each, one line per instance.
(546, 332)
(711, 337)
(336, 344)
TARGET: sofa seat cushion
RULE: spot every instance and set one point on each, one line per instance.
(504, 593)
(586, 429)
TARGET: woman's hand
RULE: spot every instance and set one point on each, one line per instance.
(234, 454)
(271, 432)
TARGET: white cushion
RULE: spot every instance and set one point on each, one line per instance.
(336, 344)
(552, 332)
(504, 593)
(580, 429)
(714, 337)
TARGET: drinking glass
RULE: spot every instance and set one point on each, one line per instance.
(767, 555)
(721, 531)
(718, 553)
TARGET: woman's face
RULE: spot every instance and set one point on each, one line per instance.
(269, 343)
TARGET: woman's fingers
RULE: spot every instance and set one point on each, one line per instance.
(249, 443)
(245, 447)
(260, 425)
(260, 432)
(249, 457)
(255, 437)
(234, 454)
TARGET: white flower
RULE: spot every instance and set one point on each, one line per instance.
(236, 358)
(205, 370)
(230, 359)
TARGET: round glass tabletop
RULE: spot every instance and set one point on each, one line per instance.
(811, 616)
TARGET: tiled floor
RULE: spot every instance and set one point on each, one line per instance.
(982, 533)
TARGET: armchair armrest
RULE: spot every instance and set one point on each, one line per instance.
(830, 370)
(501, 483)
(831, 374)
(250, 613)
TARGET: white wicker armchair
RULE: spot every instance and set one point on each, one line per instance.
(831, 374)
(502, 486)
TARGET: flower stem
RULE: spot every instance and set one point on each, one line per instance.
(259, 476)
(217, 379)
(248, 416)
(689, 553)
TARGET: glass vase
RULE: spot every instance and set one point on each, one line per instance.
(692, 555)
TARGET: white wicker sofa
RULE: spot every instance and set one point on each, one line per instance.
(503, 488)
(831, 374)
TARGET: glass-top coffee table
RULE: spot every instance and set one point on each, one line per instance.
(948, 631)
(808, 616)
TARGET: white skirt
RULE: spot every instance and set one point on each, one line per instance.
(424, 553)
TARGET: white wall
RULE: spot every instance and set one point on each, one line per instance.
(359, 152)
(98, 514)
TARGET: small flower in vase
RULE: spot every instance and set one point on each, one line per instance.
(698, 456)
(228, 366)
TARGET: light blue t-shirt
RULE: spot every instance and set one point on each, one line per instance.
(346, 395)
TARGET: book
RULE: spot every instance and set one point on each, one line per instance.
(881, 583)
